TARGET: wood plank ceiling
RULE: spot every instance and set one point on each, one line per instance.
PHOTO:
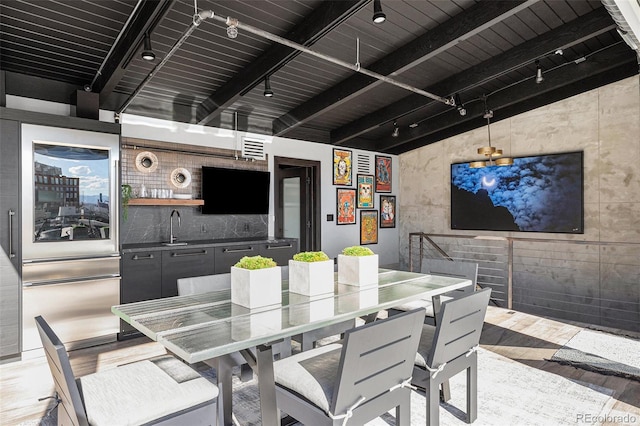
(476, 49)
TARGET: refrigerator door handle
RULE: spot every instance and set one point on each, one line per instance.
(11, 215)
(69, 281)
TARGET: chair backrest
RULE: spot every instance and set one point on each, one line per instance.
(71, 409)
(203, 284)
(452, 268)
(459, 325)
(376, 357)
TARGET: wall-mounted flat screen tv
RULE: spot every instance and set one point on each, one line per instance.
(541, 193)
(235, 191)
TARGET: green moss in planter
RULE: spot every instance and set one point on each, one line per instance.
(357, 251)
(255, 262)
(310, 256)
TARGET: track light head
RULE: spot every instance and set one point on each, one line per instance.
(378, 15)
(268, 93)
(459, 105)
(539, 77)
(396, 130)
(147, 53)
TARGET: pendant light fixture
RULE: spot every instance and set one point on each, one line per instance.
(396, 130)
(494, 155)
(268, 93)
(147, 53)
(378, 15)
(539, 77)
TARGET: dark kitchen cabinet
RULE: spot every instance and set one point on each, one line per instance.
(141, 280)
(280, 251)
(227, 256)
(186, 262)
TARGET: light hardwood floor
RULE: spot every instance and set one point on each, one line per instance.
(525, 338)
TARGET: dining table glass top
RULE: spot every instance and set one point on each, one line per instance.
(204, 326)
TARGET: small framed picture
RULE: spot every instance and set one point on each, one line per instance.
(342, 163)
(368, 227)
(365, 191)
(345, 206)
(387, 211)
(383, 173)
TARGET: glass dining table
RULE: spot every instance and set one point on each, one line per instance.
(208, 327)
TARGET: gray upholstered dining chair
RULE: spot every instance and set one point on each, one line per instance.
(157, 391)
(446, 268)
(356, 381)
(450, 348)
(309, 339)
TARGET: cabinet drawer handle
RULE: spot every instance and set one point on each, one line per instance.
(278, 247)
(11, 253)
(237, 250)
(136, 257)
(194, 253)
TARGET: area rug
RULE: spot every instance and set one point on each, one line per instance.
(509, 393)
(616, 355)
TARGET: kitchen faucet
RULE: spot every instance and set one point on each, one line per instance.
(172, 238)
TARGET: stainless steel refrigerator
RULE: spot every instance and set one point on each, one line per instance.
(70, 262)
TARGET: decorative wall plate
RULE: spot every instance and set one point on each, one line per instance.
(180, 177)
(146, 162)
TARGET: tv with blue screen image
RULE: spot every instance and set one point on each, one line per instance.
(540, 193)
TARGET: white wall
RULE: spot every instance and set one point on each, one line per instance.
(334, 238)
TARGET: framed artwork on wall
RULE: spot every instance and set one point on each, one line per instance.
(346, 206)
(342, 162)
(387, 211)
(368, 227)
(383, 173)
(365, 191)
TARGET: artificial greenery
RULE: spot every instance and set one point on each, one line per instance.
(310, 256)
(357, 251)
(126, 196)
(255, 262)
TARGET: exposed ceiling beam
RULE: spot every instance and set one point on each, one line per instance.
(147, 16)
(606, 66)
(570, 34)
(464, 25)
(315, 26)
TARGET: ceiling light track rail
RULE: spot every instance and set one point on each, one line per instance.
(234, 24)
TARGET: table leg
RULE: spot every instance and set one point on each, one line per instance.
(267, 386)
(223, 366)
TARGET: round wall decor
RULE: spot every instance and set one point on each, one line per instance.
(180, 177)
(146, 162)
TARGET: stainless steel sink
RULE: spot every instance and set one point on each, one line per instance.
(174, 244)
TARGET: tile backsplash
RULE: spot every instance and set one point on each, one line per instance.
(148, 224)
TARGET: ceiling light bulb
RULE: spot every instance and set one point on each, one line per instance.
(268, 93)
(147, 53)
(378, 15)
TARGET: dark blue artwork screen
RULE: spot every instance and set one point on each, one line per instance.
(542, 193)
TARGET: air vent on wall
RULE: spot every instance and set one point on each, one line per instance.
(364, 164)
(253, 148)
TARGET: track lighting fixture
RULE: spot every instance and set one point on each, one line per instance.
(459, 105)
(147, 52)
(396, 130)
(539, 77)
(378, 15)
(267, 88)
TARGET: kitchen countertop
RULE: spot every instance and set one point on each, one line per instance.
(158, 246)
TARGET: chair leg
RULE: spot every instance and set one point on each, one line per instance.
(446, 391)
(403, 414)
(432, 394)
(472, 390)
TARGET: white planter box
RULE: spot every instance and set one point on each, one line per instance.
(358, 270)
(256, 288)
(311, 278)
